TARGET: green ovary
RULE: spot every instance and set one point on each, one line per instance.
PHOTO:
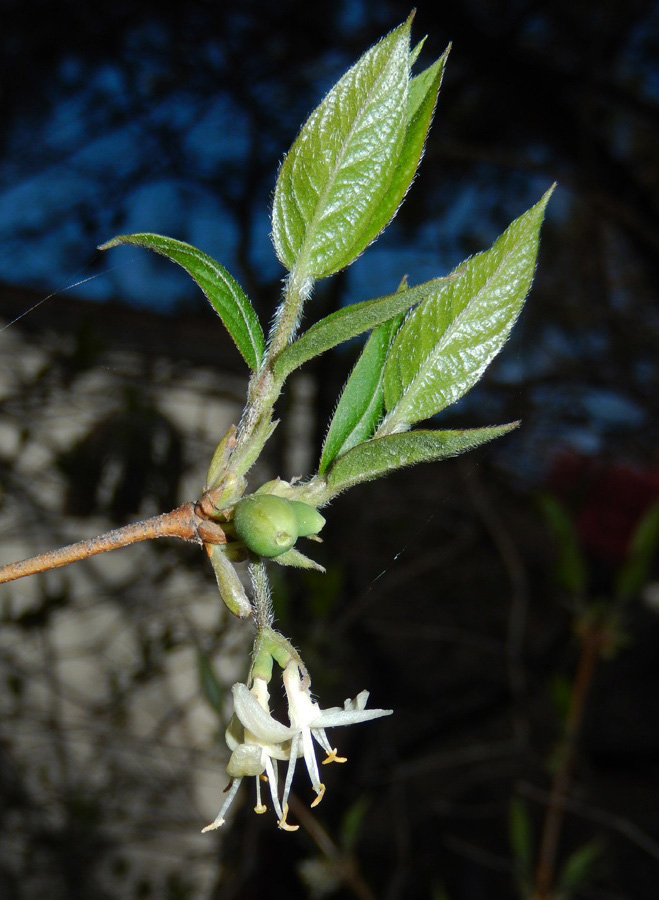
(266, 524)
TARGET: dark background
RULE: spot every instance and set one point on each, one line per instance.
(444, 596)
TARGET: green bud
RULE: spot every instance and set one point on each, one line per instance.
(266, 524)
(231, 587)
(309, 520)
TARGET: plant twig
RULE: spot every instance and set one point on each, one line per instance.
(591, 646)
(187, 522)
(603, 817)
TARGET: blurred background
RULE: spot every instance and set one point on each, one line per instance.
(506, 605)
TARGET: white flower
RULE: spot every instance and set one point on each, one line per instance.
(267, 739)
(251, 756)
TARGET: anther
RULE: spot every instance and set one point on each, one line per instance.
(321, 794)
(283, 824)
(332, 757)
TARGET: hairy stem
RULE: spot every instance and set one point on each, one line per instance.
(256, 424)
(297, 290)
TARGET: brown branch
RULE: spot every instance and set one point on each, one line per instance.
(603, 817)
(592, 638)
(188, 523)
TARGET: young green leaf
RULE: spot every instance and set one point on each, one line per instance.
(643, 547)
(579, 866)
(416, 51)
(222, 290)
(571, 570)
(362, 399)
(449, 340)
(353, 822)
(210, 686)
(521, 840)
(294, 558)
(421, 102)
(378, 457)
(347, 323)
(339, 169)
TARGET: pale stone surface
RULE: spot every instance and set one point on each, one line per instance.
(101, 658)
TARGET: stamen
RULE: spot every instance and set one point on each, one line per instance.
(310, 759)
(292, 760)
(272, 778)
(332, 757)
(321, 794)
(260, 806)
(232, 789)
(321, 737)
(283, 824)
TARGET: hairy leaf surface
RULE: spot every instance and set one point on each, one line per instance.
(362, 399)
(421, 101)
(380, 456)
(338, 171)
(449, 340)
(222, 290)
(347, 323)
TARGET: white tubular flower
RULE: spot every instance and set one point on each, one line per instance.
(307, 720)
(251, 756)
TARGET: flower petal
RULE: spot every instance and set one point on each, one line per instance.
(332, 718)
(256, 719)
(359, 702)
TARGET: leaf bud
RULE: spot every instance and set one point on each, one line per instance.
(231, 588)
(266, 524)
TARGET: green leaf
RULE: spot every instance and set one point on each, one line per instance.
(222, 290)
(447, 343)
(560, 694)
(643, 546)
(421, 102)
(362, 400)
(521, 839)
(210, 686)
(571, 569)
(352, 823)
(378, 457)
(340, 166)
(294, 558)
(347, 323)
(578, 868)
(416, 50)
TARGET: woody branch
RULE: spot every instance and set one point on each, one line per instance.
(188, 522)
